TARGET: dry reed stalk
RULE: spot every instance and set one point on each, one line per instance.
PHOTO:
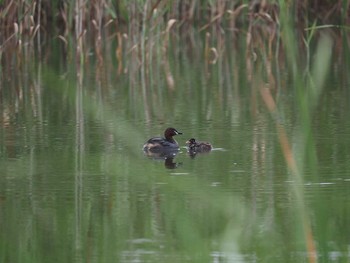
(212, 21)
(292, 165)
(119, 53)
(207, 53)
(308, 99)
(153, 8)
(80, 32)
(8, 39)
(234, 15)
(168, 74)
(143, 63)
(97, 23)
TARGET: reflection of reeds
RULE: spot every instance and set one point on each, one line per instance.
(146, 44)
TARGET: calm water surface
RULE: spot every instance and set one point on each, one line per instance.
(76, 186)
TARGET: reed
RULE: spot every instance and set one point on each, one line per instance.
(27, 27)
(308, 82)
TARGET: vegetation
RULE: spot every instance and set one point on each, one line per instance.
(251, 48)
(140, 29)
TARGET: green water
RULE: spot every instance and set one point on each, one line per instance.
(75, 185)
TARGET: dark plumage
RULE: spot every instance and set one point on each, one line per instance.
(160, 144)
(197, 146)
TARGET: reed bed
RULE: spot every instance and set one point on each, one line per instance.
(142, 29)
(137, 40)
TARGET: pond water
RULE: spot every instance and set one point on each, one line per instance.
(76, 186)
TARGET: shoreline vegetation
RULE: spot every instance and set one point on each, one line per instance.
(132, 32)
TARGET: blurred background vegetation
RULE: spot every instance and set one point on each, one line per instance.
(132, 32)
(147, 42)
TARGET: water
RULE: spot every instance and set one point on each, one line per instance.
(76, 185)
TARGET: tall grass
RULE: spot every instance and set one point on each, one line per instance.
(29, 27)
(308, 89)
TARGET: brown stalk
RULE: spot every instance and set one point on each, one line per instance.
(215, 18)
(168, 74)
(64, 40)
(119, 53)
(215, 55)
(207, 53)
(15, 27)
(154, 6)
(235, 13)
(290, 160)
(97, 22)
(63, 16)
(33, 32)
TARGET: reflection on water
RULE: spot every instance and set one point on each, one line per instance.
(168, 155)
(220, 206)
(170, 164)
(75, 183)
(192, 153)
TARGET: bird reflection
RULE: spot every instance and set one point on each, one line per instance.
(168, 156)
(170, 164)
(192, 153)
